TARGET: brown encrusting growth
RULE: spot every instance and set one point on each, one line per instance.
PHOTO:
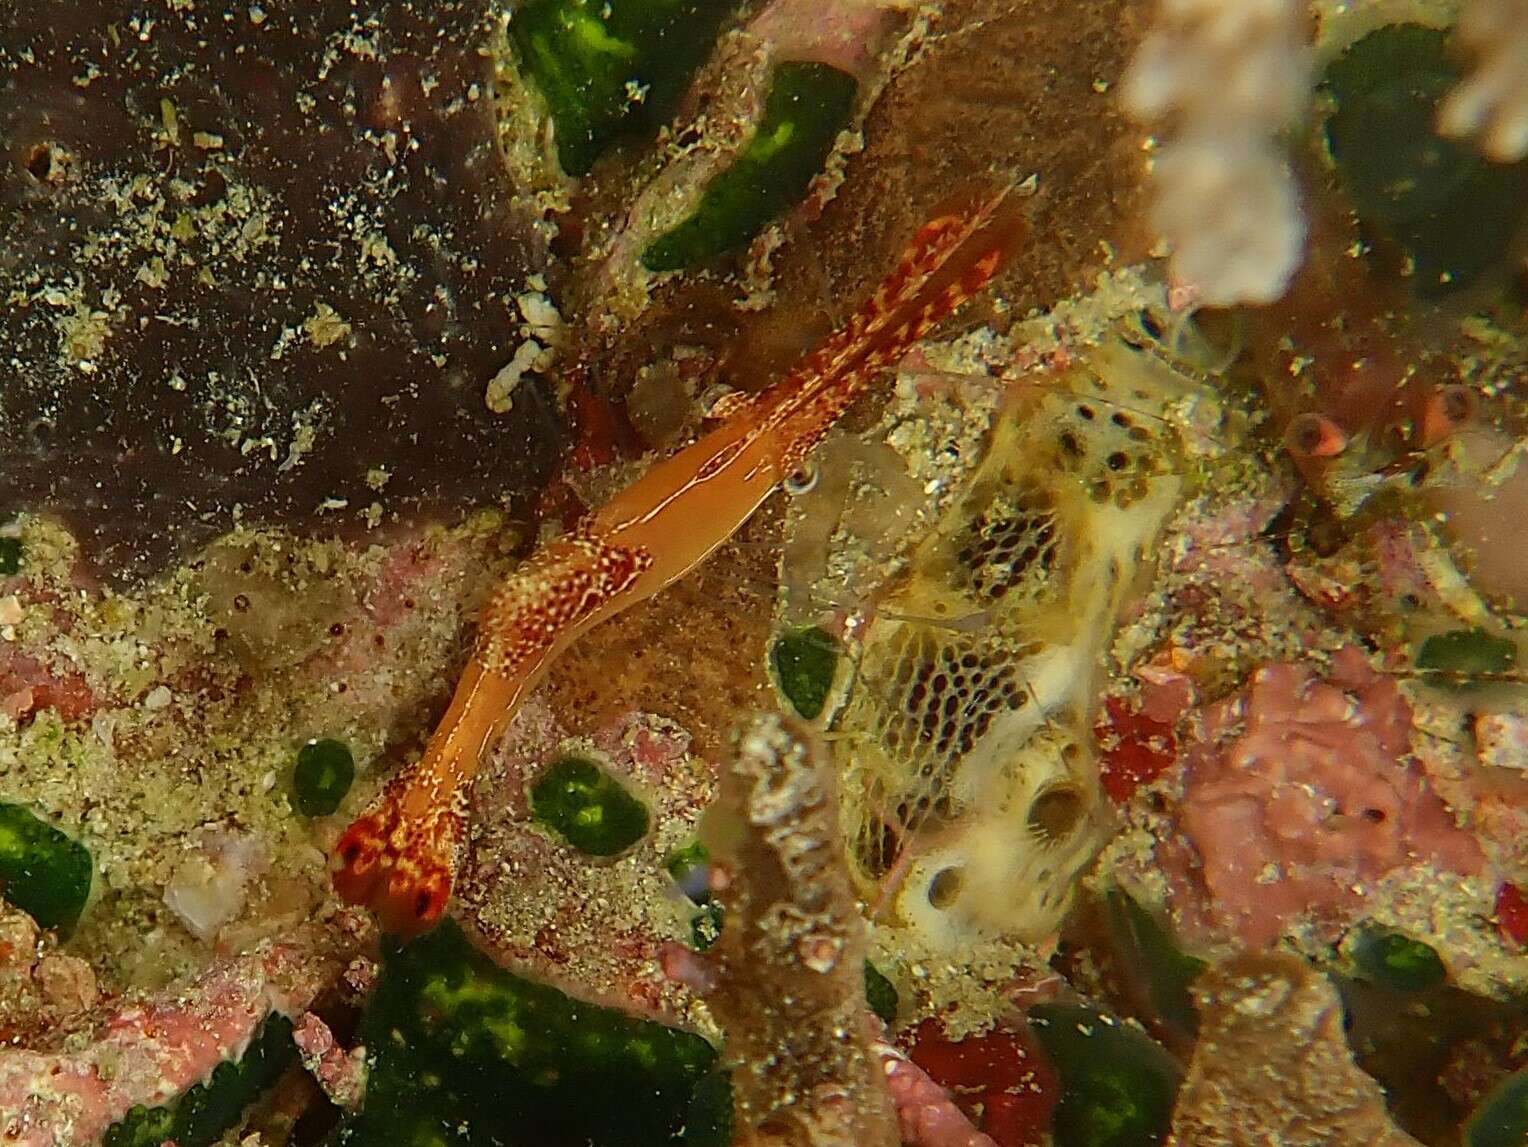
(1020, 88)
(677, 653)
(988, 89)
(789, 965)
(1272, 1057)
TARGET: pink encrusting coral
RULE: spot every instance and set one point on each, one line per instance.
(1298, 796)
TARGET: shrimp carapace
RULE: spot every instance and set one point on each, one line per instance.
(400, 857)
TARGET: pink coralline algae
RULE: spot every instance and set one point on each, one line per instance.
(149, 1052)
(846, 36)
(28, 686)
(928, 1117)
(1298, 795)
(341, 1073)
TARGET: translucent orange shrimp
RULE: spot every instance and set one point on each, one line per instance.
(400, 857)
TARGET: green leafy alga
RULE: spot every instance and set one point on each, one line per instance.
(324, 773)
(804, 661)
(880, 994)
(42, 871)
(1501, 1120)
(464, 1052)
(1396, 961)
(808, 105)
(609, 68)
(588, 807)
(1451, 213)
(1117, 1085)
(1454, 659)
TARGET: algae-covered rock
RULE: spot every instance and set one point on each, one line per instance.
(275, 610)
(255, 262)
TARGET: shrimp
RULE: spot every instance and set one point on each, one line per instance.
(400, 857)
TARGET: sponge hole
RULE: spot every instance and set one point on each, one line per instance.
(1055, 813)
(945, 888)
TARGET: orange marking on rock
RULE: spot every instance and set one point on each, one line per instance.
(400, 857)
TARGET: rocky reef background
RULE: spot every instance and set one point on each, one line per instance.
(1151, 661)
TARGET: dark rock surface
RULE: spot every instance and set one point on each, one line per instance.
(258, 263)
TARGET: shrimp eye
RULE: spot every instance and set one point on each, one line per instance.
(802, 480)
(1458, 403)
(1315, 436)
(715, 399)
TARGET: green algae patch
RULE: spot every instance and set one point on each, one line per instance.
(1501, 1120)
(880, 994)
(42, 871)
(588, 807)
(325, 771)
(10, 556)
(804, 662)
(201, 1116)
(708, 1122)
(1456, 658)
(609, 68)
(1396, 961)
(1118, 1086)
(1166, 972)
(1451, 214)
(462, 1051)
(808, 105)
